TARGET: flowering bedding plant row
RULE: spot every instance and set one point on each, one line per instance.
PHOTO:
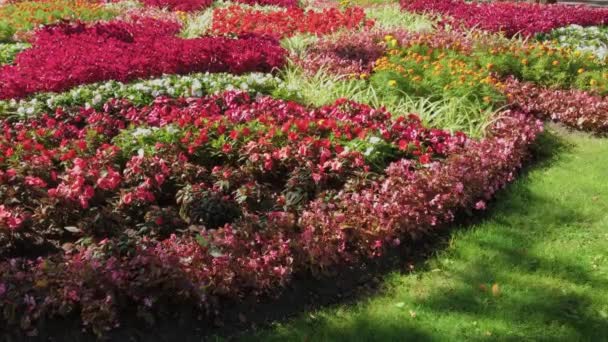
(197, 5)
(185, 200)
(510, 17)
(180, 5)
(535, 62)
(593, 39)
(574, 108)
(145, 91)
(236, 20)
(449, 65)
(347, 52)
(68, 55)
(25, 16)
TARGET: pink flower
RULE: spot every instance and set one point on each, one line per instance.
(481, 205)
(35, 182)
(12, 219)
(110, 181)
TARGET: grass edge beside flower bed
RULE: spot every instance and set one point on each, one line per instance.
(542, 243)
(484, 167)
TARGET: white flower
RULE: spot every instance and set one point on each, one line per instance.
(374, 140)
(141, 132)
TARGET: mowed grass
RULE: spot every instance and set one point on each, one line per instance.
(534, 268)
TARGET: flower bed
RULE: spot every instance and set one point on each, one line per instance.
(591, 39)
(451, 65)
(575, 108)
(221, 197)
(280, 3)
(197, 5)
(238, 20)
(143, 92)
(28, 15)
(345, 53)
(511, 17)
(68, 55)
(180, 5)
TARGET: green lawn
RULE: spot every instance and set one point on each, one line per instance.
(535, 268)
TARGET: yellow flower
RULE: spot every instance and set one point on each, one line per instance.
(487, 99)
(524, 61)
(555, 63)
(388, 37)
(580, 71)
(592, 82)
(363, 76)
(392, 83)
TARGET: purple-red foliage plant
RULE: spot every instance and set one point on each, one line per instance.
(348, 53)
(572, 107)
(67, 55)
(509, 17)
(180, 5)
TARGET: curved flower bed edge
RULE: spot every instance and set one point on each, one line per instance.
(98, 284)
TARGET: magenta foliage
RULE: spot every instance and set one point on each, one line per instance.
(180, 5)
(511, 17)
(575, 108)
(66, 55)
(281, 3)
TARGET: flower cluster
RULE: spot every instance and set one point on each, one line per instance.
(453, 65)
(593, 39)
(27, 15)
(285, 23)
(346, 53)
(511, 17)
(66, 55)
(280, 3)
(575, 108)
(145, 91)
(424, 68)
(180, 5)
(240, 146)
(222, 196)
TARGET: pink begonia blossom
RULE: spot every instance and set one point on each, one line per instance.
(572, 107)
(35, 182)
(347, 214)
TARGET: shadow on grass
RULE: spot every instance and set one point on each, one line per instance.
(509, 248)
(540, 290)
